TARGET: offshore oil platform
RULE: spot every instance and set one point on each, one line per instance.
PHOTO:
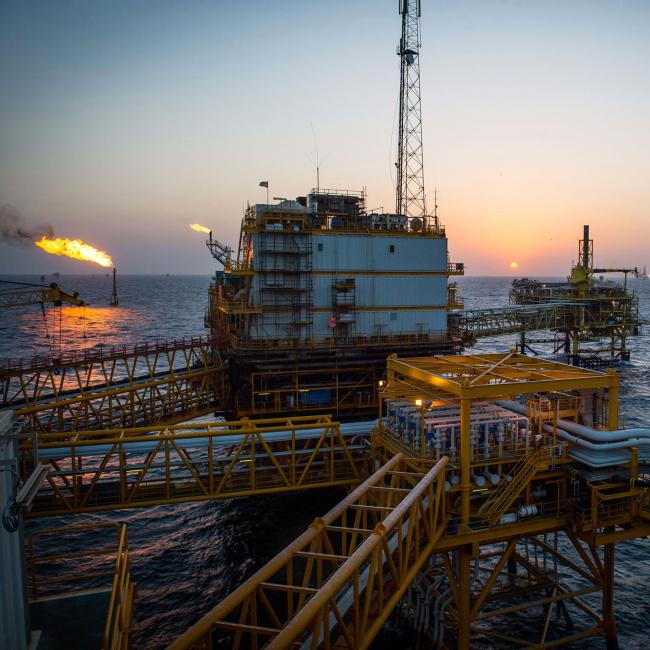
(320, 293)
(605, 313)
(485, 492)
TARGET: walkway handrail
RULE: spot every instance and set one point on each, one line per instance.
(402, 541)
(307, 614)
(120, 608)
(72, 357)
(203, 626)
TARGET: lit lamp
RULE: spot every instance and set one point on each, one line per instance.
(418, 403)
(380, 384)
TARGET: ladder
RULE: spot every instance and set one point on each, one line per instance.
(503, 497)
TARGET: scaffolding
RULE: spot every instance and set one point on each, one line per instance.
(284, 272)
(264, 316)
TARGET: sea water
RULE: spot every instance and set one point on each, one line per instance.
(185, 558)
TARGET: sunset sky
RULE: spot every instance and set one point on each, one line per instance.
(123, 122)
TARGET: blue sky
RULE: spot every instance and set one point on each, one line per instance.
(122, 122)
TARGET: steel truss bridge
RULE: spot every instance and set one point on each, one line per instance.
(576, 322)
(479, 323)
(127, 468)
(161, 381)
(517, 319)
(336, 584)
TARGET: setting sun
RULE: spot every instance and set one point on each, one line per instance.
(513, 265)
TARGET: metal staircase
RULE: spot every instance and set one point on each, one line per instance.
(497, 505)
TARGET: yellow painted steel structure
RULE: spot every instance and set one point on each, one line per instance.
(38, 295)
(605, 314)
(336, 584)
(162, 381)
(497, 553)
(170, 399)
(112, 469)
(481, 533)
(489, 553)
(59, 574)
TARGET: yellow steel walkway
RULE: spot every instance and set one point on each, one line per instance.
(112, 469)
(149, 383)
(337, 583)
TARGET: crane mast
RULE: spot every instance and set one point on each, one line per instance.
(410, 199)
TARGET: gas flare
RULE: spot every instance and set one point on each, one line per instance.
(199, 228)
(76, 249)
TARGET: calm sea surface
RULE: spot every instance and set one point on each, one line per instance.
(185, 558)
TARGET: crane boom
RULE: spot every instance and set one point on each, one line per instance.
(220, 252)
(38, 295)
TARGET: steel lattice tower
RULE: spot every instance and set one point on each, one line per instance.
(410, 165)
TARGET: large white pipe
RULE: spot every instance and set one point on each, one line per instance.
(349, 429)
(581, 430)
(606, 452)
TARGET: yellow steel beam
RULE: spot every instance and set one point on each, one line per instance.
(330, 601)
(503, 533)
(516, 374)
(621, 535)
(38, 295)
(27, 381)
(173, 398)
(106, 470)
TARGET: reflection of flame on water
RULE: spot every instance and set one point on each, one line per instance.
(83, 329)
(76, 249)
(199, 228)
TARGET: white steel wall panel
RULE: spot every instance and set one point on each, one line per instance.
(372, 253)
(342, 254)
(380, 322)
(385, 290)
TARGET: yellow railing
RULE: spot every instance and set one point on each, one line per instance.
(120, 609)
(68, 573)
(562, 407)
(496, 506)
(336, 584)
(103, 470)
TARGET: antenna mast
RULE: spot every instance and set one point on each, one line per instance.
(410, 173)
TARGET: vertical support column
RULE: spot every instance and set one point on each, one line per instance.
(612, 423)
(609, 621)
(390, 371)
(464, 601)
(423, 436)
(634, 475)
(14, 623)
(465, 458)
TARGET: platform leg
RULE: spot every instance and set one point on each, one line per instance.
(464, 597)
(609, 620)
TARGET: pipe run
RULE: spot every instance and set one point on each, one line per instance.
(595, 448)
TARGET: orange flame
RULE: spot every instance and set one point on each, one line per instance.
(76, 249)
(199, 228)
